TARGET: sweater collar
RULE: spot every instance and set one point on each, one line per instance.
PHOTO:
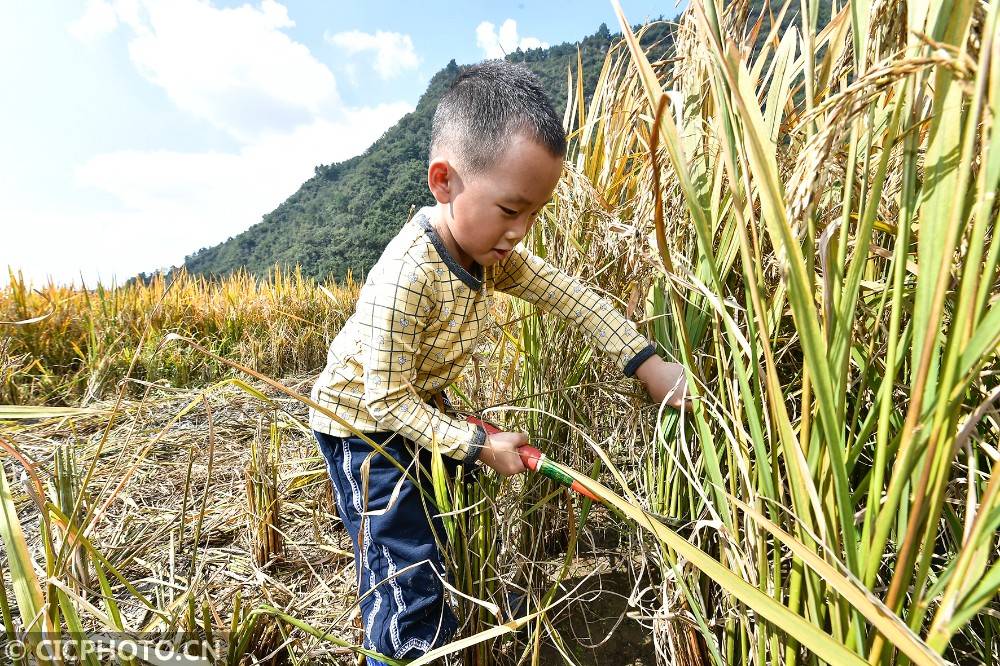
(473, 280)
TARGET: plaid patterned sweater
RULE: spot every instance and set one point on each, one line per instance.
(417, 322)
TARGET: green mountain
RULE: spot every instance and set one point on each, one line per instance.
(341, 219)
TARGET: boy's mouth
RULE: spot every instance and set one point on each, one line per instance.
(501, 253)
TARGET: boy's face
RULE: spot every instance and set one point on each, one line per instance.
(491, 212)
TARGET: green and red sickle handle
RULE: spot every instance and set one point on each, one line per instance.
(536, 461)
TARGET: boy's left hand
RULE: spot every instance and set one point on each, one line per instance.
(664, 380)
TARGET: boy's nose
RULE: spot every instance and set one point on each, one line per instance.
(519, 230)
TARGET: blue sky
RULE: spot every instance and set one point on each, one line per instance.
(137, 131)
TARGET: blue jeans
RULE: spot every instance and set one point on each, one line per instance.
(403, 606)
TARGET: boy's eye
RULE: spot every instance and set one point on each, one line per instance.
(508, 211)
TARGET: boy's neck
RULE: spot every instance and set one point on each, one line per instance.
(439, 220)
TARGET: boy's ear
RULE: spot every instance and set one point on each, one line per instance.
(439, 178)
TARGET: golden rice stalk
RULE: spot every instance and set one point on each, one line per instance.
(263, 499)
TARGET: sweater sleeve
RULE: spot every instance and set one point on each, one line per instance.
(401, 300)
(531, 278)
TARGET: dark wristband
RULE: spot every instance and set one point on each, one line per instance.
(638, 360)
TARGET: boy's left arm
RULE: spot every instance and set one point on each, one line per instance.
(531, 278)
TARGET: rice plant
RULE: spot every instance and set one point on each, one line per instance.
(66, 346)
(263, 499)
(825, 218)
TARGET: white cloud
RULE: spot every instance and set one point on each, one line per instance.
(98, 20)
(497, 45)
(257, 178)
(234, 68)
(172, 203)
(394, 53)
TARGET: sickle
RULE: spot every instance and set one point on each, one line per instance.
(537, 461)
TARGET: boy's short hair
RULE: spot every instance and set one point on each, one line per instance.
(485, 107)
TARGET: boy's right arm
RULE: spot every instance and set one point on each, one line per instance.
(401, 303)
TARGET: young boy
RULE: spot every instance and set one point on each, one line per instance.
(496, 155)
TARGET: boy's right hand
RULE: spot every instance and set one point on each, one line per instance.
(500, 452)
